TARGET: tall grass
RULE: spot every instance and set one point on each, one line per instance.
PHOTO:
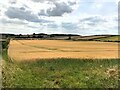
(61, 73)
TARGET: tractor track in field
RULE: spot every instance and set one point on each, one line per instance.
(56, 49)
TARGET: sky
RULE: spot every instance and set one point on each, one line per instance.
(83, 17)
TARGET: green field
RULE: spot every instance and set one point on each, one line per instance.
(111, 39)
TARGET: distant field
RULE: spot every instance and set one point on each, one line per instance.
(112, 38)
(46, 49)
(103, 38)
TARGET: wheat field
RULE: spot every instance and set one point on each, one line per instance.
(46, 49)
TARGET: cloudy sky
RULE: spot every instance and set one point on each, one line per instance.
(84, 17)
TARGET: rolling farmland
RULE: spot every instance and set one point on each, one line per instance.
(60, 64)
(46, 49)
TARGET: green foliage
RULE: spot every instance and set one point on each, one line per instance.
(4, 50)
(61, 73)
(5, 44)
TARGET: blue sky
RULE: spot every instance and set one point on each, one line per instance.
(84, 17)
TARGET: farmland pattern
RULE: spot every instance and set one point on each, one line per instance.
(46, 49)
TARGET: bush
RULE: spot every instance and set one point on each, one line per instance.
(5, 44)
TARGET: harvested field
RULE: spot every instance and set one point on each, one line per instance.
(46, 49)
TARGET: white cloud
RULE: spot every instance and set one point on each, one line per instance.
(101, 25)
(22, 14)
(28, 16)
(117, 1)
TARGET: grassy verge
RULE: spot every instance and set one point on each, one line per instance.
(61, 73)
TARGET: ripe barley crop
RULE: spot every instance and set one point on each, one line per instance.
(46, 49)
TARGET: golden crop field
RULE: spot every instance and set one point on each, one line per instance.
(46, 49)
